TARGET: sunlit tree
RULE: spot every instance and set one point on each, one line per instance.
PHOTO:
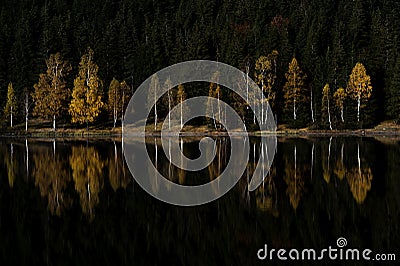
(359, 87)
(50, 93)
(265, 76)
(326, 98)
(294, 88)
(340, 97)
(86, 100)
(11, 105)
(119, 95)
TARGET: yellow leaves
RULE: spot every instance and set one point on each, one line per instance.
(359, 85)
(265, 74)
(86, 100)
(11, 104)
(51, 94)
(340, 96)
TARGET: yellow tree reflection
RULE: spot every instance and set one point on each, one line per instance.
(359, 179)
(10, 165)
(340, 169)
(294, 180)
(87, 168)
(117, 172)
(50, 175)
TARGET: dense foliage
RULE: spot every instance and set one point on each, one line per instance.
(133, 39)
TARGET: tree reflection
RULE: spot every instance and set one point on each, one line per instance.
(294, 179)
(51, 176)
(87, 168)
(340, 169)
(117, 173)
(359, 180)
(10, 165)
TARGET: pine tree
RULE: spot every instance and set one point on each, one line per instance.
(86, 100)
(359, 87)
(51, 93)
(11, 105)
(294, 89)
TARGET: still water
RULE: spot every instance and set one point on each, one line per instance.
(75, 202)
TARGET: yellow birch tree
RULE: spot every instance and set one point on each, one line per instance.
(340, 97)
(11, 105)
(86, 100)
(50, 93)
(359, 87)
(294, 88)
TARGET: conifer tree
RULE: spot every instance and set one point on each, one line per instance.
(86, 100)
(51, 93)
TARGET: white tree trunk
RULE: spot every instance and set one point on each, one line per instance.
(329, 115)
(262, 102)
(342, 114)
(358, 106)
(11, 121)
(169, 110)
(155, 111)
(312, 109)
(54, 123)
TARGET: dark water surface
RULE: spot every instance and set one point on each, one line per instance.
(74, 202)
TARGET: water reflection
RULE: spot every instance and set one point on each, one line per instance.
(86, 166)
(81, 192)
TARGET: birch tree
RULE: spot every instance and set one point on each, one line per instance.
(11, 105)
(181, 97)
(340, 96)
(326, 95)
(119, 95)
(86, 100)
(50, 93)
(294, 88)
(359, 87)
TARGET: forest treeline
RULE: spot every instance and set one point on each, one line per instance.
(346, 53)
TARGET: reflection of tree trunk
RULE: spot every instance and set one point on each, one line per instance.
(358, 159)
(312, 160)
(27, 158)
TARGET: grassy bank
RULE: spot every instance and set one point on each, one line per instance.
(43, 129)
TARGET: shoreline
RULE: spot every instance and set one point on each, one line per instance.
(116, 133)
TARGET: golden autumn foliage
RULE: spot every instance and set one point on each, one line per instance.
(11, 105)
(50, 93)
(265, 75)
(359, 87)
(86, 100)
(119, 95)
(340, 97)
(294, 88)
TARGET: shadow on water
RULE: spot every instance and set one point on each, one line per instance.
(76, 202)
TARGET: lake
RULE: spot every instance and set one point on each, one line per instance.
(70, 201)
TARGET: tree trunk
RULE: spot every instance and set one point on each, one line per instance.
(329, 115)
(312, 109)
(11, 120)
(358, 107)
(54, 123)
(341, 114)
